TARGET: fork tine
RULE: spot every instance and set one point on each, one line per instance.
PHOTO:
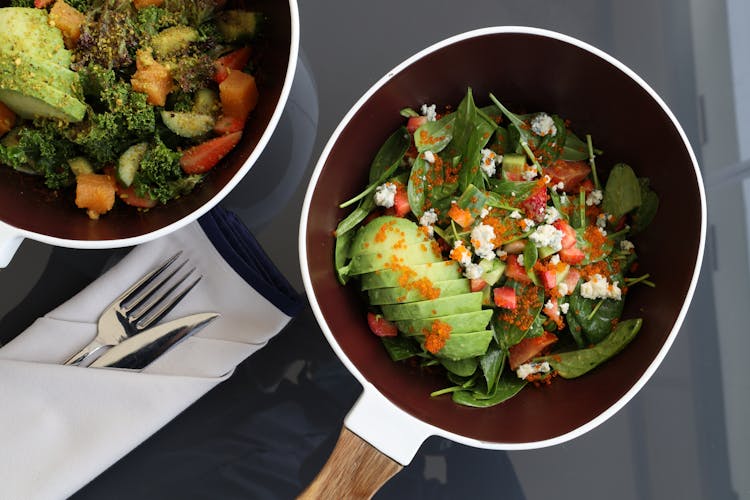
(160, 305)
(136, 291)
(141, 298)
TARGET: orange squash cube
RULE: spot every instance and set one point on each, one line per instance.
(68, 20)
(151, 78)
(238, 94)
(96, 193)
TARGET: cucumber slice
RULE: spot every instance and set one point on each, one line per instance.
(80, 165)
(206, 102)
(130, 162)
(187, 124)
(172, 40)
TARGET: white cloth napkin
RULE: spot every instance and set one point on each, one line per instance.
(61, 426)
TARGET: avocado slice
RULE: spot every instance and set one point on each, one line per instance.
(417, 253)
(39, 100)
(461, 345)
(399, 295)
(464, 322)
(27, 31)
(443, 306)
(437, 271)
(32, 70)
(386, 233)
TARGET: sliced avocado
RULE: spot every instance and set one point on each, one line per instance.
(461, 345)
(27, 31)
(238, 25)
(38, 100)
(464, 322)
(129, 163)
(399, 295)
(32, 70)
(443, 306)
(415, 253)
(438, 271)
(386, 233)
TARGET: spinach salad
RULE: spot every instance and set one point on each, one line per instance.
(129, 100)
(489, 247)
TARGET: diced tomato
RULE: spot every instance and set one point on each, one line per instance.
(462, 216)
(381, 326)
(535, 204)
(549, 278)
(235, 60)
(529, 348)
(414, 123)
(516, 271)
(203, 157)
(228, 125)
(7, 119)
(569, 234)
(477, 284)
(42, 4)
(572, 255)
(128, 196)
(504, 296)
(401, 205)
(570, 173)
(571, 280)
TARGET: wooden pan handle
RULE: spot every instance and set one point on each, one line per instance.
(355, 469)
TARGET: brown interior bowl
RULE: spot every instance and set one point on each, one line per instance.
(26, 204)
(530, 72)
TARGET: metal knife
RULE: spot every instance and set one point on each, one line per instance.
(140, 350)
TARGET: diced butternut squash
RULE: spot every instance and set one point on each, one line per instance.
(141, 4)
(151, 78)
(238, 94)
(95, 193)
(7, 119)
(68, 20)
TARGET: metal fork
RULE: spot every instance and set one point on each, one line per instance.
(141, 305)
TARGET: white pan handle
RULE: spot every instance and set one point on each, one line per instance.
(376, 442)
(10, 240)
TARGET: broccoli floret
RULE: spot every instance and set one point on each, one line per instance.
(159, 170)
(43, 149)
(123, 116)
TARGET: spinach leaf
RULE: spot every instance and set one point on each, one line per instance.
(575, 328)
(519, 125)
(645, 213)
(502, 141)
(519, 189)
(463, 367)
(492, 363)
(592, 252)
(472, 199)
(622, 192)
(506, 388)
(341, 255)
(574, 148)
(465, 124)
(358, 215)
(595, 325)
(511, 326)
(389, 154)
(415, 188)
(530, 256)
(573, 364)
(550, 147)
(400, 348)
(435, 136)
(470, 172)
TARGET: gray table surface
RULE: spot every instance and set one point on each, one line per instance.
(267, 431)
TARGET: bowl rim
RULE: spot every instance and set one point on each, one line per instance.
(305, 213)
(9, 232)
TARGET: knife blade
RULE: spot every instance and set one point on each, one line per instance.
(138, 351)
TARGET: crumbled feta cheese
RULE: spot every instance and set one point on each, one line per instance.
(564, 308)
(528, 224)
(482, 237)
(547, 235)
(501, 253)
(549, 305)
(513, 194)
(489, 159)
(484, 213)
(554, 260)
(542, 124)
(527, 369)
(519, 259)
(515, 214)
(429, 156)
(429, 112)
(551, 215)
(602, 231)
(473, 271)
(562, 288)
(529, 173)
(560, 186)
(564, 200)
(385, 195)
(594, 198)
(429, 217)
(626, 246)
(601, 220)
(599, 288)
(547, 179)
